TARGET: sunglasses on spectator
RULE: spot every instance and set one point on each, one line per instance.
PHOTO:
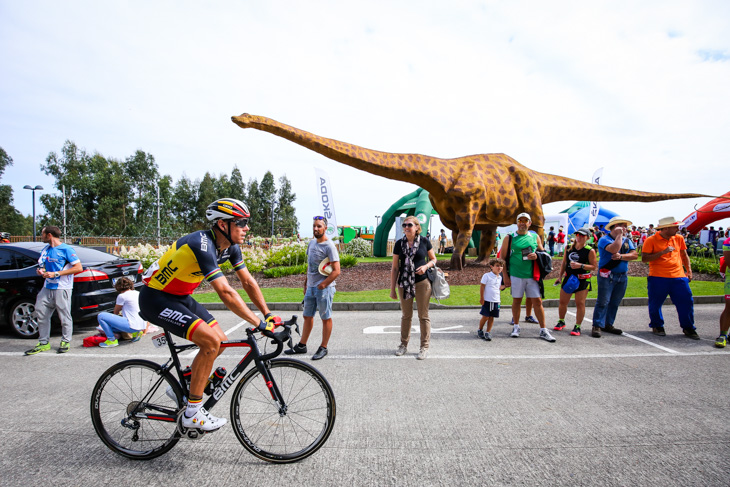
(408, 225)
(324, 219)
(242, 223)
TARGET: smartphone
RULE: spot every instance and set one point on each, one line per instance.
(525, 252)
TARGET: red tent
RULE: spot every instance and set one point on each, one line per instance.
(716, 209)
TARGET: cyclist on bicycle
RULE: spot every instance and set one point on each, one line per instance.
(166, 298)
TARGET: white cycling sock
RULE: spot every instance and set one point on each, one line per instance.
(193, 407)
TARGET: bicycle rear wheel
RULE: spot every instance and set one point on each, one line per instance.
(131, 410)
(283, 435)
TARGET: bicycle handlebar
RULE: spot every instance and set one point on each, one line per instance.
(281, 336)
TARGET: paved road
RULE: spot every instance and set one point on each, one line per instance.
(628, 410)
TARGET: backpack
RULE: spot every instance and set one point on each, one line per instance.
(439, 287)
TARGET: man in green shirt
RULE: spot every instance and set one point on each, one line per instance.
(521, 262)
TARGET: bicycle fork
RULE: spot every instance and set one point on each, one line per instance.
(273, 389)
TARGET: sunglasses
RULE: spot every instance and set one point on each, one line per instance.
(408, 225)
(242, 223)
(324, 219)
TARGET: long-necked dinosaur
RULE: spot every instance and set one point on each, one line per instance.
(479, 192)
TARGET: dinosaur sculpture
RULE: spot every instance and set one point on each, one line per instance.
(479, 192)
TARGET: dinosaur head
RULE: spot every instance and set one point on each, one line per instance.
(244, 120)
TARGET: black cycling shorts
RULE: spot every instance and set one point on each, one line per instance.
(180, 315)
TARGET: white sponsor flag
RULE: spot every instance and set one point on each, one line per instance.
(593, 214)
(326, 202)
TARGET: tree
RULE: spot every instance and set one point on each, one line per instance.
(97, 192)
(142, 175)
(285, 220)
(267, 195)
(11, 220)
(255, 205)
(236, 186)
(184, 204)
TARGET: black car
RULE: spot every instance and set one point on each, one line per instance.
(93, 290)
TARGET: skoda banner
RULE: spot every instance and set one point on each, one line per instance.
(326, 202)
(595, 207)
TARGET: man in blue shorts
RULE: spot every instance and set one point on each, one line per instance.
(323, 267)
(166, 299)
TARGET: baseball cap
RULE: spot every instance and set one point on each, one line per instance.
(523, 215)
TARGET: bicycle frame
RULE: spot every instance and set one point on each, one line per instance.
(253, 354)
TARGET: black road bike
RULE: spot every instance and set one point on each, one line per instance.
(283, 410)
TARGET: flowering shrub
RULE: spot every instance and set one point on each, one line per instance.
(145, 253)
(293, 253)
(254, 258)
(359, 247)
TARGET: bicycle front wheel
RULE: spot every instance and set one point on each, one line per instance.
(288, 432)
(132, 411)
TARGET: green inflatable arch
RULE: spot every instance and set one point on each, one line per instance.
(416, 203)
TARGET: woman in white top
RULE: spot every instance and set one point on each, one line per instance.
(126, 317)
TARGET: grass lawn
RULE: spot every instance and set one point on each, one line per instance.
(460, 295)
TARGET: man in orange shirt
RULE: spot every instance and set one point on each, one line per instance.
(666, 254)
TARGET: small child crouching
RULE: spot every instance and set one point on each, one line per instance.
(489, 297)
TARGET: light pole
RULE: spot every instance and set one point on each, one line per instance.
(39, 188)
(377, 221)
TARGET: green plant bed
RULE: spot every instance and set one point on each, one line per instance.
(460, 295)
(285, 271)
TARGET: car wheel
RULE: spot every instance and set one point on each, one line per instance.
(22, 319)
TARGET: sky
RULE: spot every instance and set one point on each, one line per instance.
(563, 87)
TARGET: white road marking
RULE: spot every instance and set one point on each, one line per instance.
(388, 356)
(669, 350)
(396, 329)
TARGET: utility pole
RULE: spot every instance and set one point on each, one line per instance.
(63, 189)
(158, 215)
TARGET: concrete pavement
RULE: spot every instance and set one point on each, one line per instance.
(619, 410)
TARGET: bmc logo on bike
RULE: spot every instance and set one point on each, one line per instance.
(175, 316)
(228, 382)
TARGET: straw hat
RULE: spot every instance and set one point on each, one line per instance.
(325, 267)
(613, 221)
(668, 221)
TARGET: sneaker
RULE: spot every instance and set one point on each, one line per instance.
(611, 329)
(203, 420)
(108, 343)
(487, 336)
(321, 352)
(545, 335)
(297, 349)
(596, 332)
(480, 334)
(137, 336)
(576, 331)
(691, 334)
(402, 349)
(721, 341)
(530, 319)
(422, 353)
(659, 330)
(560, 325)
(515, 331)
(38, 349)
(64, 347)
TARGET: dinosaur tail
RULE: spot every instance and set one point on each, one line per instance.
(558, 188)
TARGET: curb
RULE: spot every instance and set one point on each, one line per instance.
(395, 305)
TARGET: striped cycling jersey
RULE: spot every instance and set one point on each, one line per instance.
(190, 260)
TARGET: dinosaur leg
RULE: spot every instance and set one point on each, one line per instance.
(461, 243)
(486, 245)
